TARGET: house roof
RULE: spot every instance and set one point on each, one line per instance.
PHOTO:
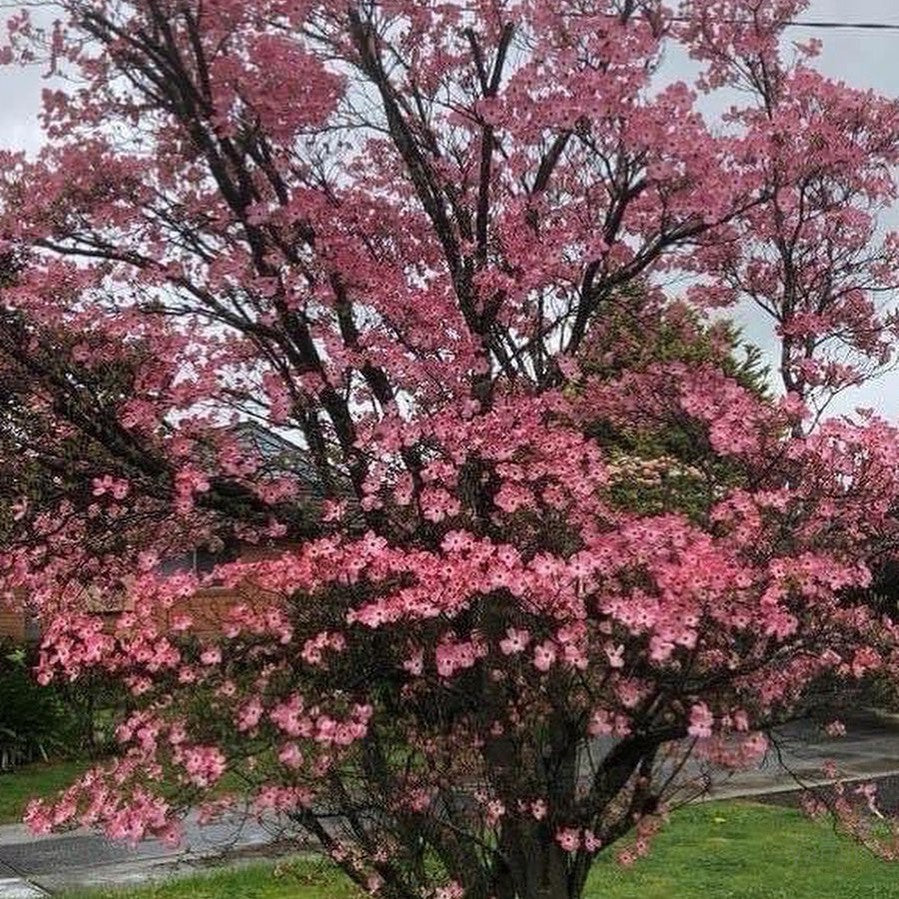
(280, 454)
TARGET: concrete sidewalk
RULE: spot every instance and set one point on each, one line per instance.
(31, 867)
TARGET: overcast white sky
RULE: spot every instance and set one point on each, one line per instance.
(861, 58)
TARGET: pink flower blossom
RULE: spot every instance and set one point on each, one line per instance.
(701, 721)
(569, 839)
(544, 656)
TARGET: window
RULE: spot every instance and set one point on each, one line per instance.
(200, 561)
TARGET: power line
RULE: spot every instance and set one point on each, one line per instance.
(865, 26)
(812, 23)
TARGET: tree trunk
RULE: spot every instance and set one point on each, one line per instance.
(536, 866)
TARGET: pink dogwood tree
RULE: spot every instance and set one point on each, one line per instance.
(544, 536)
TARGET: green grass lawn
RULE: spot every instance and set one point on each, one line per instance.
(18, 787)
(713, 851)
(289, 880)
(749, 851)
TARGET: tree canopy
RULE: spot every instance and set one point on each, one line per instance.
(468, 256)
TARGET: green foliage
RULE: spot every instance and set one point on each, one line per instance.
(34, 721)
(669, 468)
(64, 720)
(95, 706)
(638, 329)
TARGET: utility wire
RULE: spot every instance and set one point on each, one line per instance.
(810, 23)
(865, 26)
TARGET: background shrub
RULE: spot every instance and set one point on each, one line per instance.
(75, 720)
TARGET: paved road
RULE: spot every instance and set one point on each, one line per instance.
(797, 757)
(32, 867)
(38, 866)
(869, 749)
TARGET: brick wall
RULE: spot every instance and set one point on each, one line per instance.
(12, 617)
(208, 607)
(12, 623)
